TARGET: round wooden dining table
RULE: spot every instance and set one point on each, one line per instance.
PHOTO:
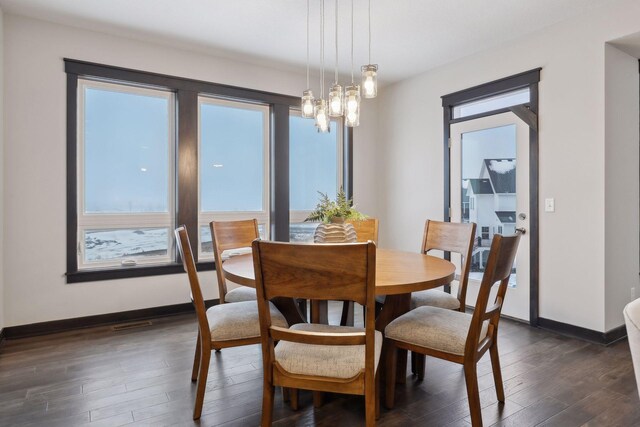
(398, 274)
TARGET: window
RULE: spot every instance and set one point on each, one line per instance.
(234, 164)
(147, 152)
(485, 232)
(125, 197)
(315, 165)
(496, 102)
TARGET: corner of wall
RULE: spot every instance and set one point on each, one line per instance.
(622, 188)
(2, 310)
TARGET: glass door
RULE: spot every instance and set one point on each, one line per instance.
(490, 186)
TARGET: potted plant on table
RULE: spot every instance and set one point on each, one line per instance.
(332, 214)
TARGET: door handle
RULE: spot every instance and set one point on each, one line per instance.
(521, 230)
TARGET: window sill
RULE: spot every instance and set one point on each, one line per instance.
(97, 274)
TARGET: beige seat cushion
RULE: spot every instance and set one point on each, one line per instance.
(338, 361)
(242, 293)
(434, 328)
(239, 320)
(434, 298)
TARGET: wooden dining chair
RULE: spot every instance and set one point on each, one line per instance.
(456, 336)
(221, 326)
(325, 358)
(449, 237)
(366, 229)
(229, 235)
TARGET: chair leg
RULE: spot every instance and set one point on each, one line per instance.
(267, 403)
(420, 361)
(205, 357)
(293, 398)
(471, 378)
(285, 394)
(391, 356)
(401, 374)
(370, 398)
(347, 314)
(196, 361)
(318, 399)
(497, 372)
(378, 395)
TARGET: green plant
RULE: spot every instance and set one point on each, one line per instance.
(327, 209)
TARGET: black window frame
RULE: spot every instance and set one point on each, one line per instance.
(186, 94)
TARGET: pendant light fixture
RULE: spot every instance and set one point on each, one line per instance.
(352, 92)
(307, 101)
(321, 113)
(336, 97)
(339, 103)
(369, 71)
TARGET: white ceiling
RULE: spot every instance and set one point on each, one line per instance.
(409, 36)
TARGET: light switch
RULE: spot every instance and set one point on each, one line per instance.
(549, 205)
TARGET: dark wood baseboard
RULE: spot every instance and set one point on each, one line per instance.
(44, 328)
(603, 338)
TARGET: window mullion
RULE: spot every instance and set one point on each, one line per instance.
(187, 165)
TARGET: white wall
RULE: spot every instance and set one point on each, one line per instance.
(572, 152)
(2, 222)
(622, 195)
(34, 203)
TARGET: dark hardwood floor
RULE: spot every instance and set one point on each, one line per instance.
(99, 377)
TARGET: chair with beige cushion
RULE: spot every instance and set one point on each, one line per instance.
(227, 236)
(221, 326)
(323, 358)
(632, 319)
(449, 237)
(456, 336)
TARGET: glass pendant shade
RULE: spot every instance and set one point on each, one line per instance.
(307, 104)
(352, 105)
(369, 81)
(322, 115)
(336, 101)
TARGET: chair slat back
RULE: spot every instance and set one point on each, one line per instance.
(317, 272)
(226, 235)
(452, 237)
(498, 269)
(189, 265)
(366, 229)
(320, 272)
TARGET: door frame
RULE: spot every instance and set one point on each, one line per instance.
(529, 114)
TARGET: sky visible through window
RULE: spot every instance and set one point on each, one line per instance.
(126, 152)
(231, 158)
(312, 163)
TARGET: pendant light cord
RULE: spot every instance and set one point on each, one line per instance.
(308, 44)
(369, 31)
(351, 41)
(336, 76)
(322, 49)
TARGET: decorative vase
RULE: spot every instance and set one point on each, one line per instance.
(337, 231)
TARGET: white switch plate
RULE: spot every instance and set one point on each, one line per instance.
(549, 205)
